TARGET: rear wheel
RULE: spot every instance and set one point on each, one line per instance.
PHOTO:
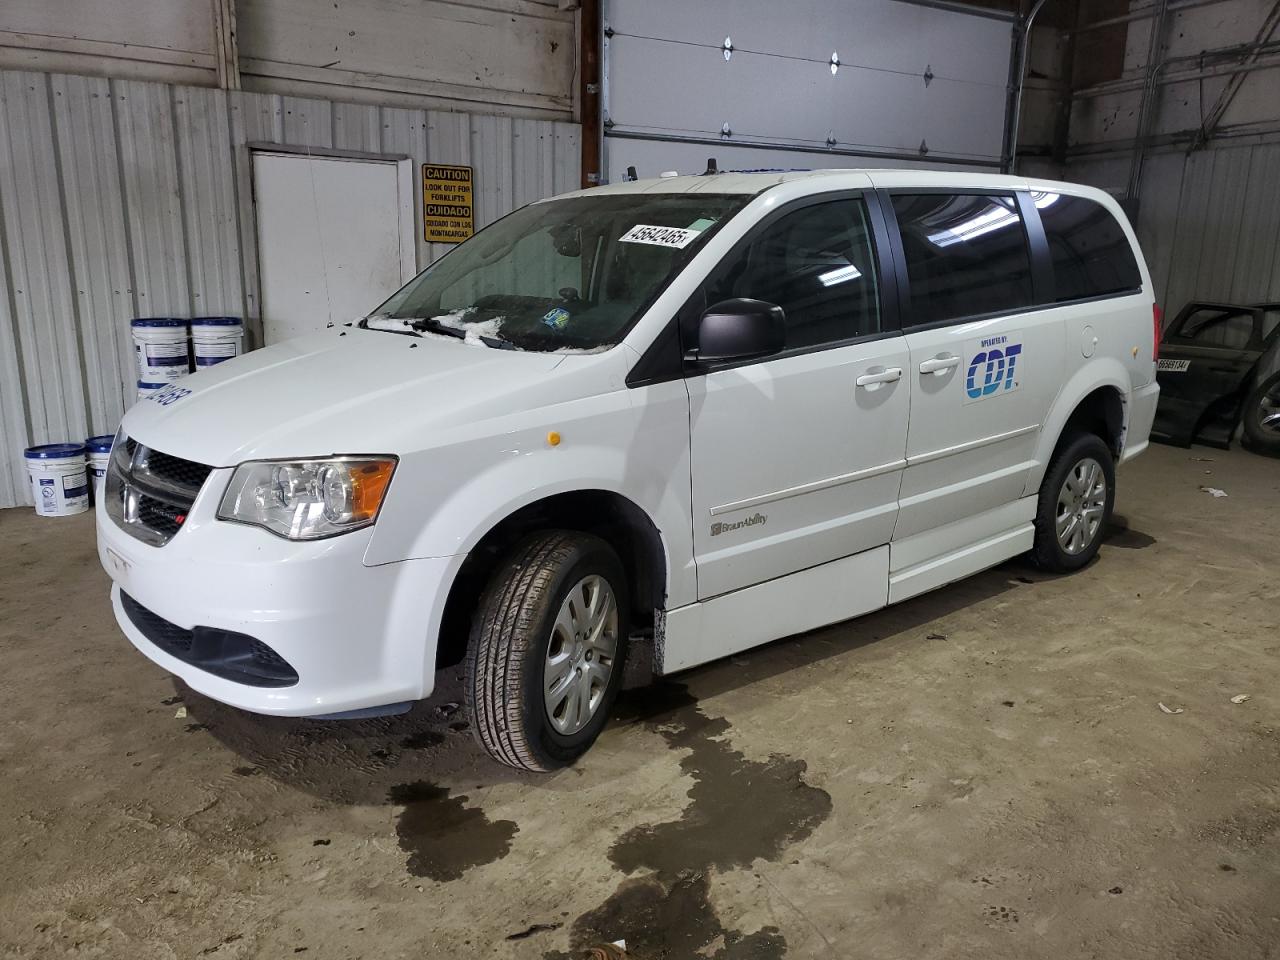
(1262, 417)
(547, 648)
(1075, 504)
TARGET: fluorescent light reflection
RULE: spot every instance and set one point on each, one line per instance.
(839, 275)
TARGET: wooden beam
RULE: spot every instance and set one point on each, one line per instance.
(226, 49)
(589, 89)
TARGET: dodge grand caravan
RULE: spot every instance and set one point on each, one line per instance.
(712, 410)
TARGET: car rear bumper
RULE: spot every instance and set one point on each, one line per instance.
(1137, 436)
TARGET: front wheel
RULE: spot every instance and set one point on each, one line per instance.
(1075, 504)
(547, 648)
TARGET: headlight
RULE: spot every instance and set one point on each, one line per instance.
(308, 499)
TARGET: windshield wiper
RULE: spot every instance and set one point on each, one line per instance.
(432, 325)
(388, 325)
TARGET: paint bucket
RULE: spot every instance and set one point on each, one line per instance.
(214, 339)
(99, 456)
(147, 389)
(59, 479)
(161, 346)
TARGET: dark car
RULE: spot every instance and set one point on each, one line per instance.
(1219, 367)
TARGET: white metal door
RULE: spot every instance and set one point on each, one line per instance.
(982, 386)
(797, 459)
(335, 238)
(981, 396)
(796, 464)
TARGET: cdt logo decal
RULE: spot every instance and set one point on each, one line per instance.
(993, 368)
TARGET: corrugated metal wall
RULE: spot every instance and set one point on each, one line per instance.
(121, 199)
(1208, 221)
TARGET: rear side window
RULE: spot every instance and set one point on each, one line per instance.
(966, 255)
(1091, 255)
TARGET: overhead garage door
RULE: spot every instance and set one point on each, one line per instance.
(811, 83)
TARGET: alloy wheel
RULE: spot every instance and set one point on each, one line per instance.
(1082, 501)
(580, 654)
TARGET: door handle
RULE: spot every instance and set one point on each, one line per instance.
(939, 365)
(884, 376)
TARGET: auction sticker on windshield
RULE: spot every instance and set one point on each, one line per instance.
(659, 236)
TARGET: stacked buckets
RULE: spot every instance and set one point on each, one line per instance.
(61, 474)
(167, 348)
(164, 354)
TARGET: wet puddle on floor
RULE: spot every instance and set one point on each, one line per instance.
(739, 810)
(444, 837)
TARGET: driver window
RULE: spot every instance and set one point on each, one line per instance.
(818, 264)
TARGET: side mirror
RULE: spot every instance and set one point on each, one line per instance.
(740, 329)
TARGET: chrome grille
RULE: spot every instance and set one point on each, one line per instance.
(149, 493)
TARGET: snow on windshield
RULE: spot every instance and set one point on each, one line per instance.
(485, 328)
(460, 320)
(454, 320)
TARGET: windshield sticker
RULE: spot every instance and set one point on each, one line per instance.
(700, 225)
(673, 237)
(556, 318)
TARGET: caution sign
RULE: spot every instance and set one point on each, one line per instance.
(447, 211)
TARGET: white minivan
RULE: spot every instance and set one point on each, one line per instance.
(711, 410)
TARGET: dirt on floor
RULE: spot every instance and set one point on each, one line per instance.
(986, 771)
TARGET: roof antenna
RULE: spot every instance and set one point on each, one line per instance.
(631, 173)
(711, 167)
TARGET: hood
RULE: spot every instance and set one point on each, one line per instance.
(339, 392)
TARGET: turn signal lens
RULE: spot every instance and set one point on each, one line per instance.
(368, 486)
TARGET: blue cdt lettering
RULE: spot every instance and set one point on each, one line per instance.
(999, 367)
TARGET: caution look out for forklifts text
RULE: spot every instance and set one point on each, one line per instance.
(447, 209)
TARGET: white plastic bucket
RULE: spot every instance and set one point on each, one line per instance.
(214, 339)
(147, 389)
(161, 346)
(59, 479)
(99, 456)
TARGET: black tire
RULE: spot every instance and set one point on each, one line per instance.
(511, 633)
(1259, 437)
(1048, 553)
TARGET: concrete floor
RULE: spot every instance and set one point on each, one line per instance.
(982, 772)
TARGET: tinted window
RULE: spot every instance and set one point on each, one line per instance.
(1270, 322)
(1091, 255)
(1231, 327)
(818, 264)
(966, 255)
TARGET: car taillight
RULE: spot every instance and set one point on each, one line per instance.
(1157, 322)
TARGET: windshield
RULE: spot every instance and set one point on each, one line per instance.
(565, 275)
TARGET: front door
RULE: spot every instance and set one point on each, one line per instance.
(1205, 360)
(796, 459)
(985, 367)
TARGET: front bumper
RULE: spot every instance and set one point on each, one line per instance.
(358, 636)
